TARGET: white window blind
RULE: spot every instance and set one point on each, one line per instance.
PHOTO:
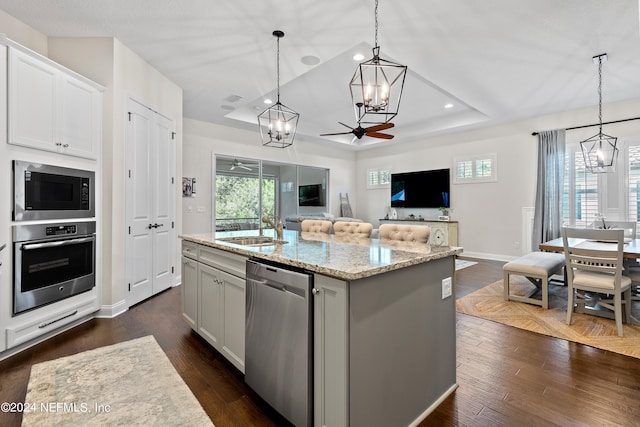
(478, 168)
(634, 183)
(581, 199)
(378, 178)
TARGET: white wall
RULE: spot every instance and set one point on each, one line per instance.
(124, 74)
(25, 35)
(202, 140)
(489, 214)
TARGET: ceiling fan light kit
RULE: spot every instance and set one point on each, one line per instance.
(278, 123)
(377, 85)
(600, 152)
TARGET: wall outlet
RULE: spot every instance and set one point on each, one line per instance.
(446, 287)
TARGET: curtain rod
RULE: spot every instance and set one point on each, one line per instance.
(597, 124)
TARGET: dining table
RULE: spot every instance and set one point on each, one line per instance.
(631, 253)
(631, 248)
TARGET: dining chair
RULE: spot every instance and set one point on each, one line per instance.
(316, 226)
(405, 233)
(594, 264)
(631, 266)
(361, 229)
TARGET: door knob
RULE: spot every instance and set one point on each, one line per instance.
(315, 291)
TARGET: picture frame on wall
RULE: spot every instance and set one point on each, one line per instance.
(188, 187)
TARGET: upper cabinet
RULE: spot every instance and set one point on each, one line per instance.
(51, 108)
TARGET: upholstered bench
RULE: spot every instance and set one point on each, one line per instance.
(537, 267)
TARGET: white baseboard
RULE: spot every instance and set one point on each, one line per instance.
(491, 257)
(111, 311)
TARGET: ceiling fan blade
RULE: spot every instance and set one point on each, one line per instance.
(382, 126)
(354, 139)
(244, 167)
(347, 126)
(379, 135)
(338, 133)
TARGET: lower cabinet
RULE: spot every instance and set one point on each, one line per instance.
(190, 292)
(213, 300)
(213, 304)
(331, 356)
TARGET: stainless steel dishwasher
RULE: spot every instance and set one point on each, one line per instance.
(278, 341)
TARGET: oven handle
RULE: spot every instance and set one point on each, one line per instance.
(30, 246)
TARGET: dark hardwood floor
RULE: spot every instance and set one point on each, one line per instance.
(506, 376)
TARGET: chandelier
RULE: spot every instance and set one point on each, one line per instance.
(377, 85)
(600, 151)
(278, 123)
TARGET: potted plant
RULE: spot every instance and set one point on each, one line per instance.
(444, 211)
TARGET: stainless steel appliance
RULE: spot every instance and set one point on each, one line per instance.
(51, 192)
(278, 340)
(52, 262)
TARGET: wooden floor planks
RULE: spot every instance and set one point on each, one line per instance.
(506, 376)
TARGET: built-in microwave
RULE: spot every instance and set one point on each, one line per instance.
(52, 192)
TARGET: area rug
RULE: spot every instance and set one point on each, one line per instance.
(488, 303)
(132, 383)
(463, 263)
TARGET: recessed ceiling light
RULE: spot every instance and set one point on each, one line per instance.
(358, 57)
(268, 101)
(449, 105)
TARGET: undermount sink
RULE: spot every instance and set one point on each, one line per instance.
(252, 240)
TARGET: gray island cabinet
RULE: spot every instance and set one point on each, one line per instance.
(384, 334)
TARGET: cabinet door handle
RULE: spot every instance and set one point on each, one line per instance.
(65, 145)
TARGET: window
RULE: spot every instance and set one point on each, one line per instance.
(378, 178)
(634, 183)
(480, 168)
(581, 195)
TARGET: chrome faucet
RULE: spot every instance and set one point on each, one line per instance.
(276, 225)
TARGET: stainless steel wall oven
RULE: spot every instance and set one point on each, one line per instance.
(52, 262)
(51, 192)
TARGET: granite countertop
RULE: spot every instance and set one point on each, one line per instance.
(345, 258)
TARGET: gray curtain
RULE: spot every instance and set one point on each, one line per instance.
(547, 222)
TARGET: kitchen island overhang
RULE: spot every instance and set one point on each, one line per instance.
(387, 354)
(344, 258)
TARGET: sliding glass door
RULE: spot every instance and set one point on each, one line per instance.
(244, 190)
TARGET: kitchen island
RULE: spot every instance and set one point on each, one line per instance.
(384, 335)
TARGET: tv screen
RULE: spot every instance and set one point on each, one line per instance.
(424, 189)
(310, 195)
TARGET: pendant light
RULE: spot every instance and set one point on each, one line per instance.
(600, 151)
(278, 123)
(377, 85)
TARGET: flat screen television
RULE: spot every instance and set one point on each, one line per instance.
(423, 189)
(310, 195)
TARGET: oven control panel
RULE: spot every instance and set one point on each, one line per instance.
(60, 230)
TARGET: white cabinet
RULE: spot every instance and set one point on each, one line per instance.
(210, 305)
(443, 233)
(190, 284)
(52, 109)
(331, 357)
(190, 292)
(213, 298)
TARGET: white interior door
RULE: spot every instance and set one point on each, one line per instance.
(150, 202)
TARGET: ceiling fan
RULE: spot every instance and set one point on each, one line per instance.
(359, 132)
(238, 164)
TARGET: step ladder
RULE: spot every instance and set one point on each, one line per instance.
(345, 206)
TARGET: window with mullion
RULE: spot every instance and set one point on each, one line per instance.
(581, 195)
